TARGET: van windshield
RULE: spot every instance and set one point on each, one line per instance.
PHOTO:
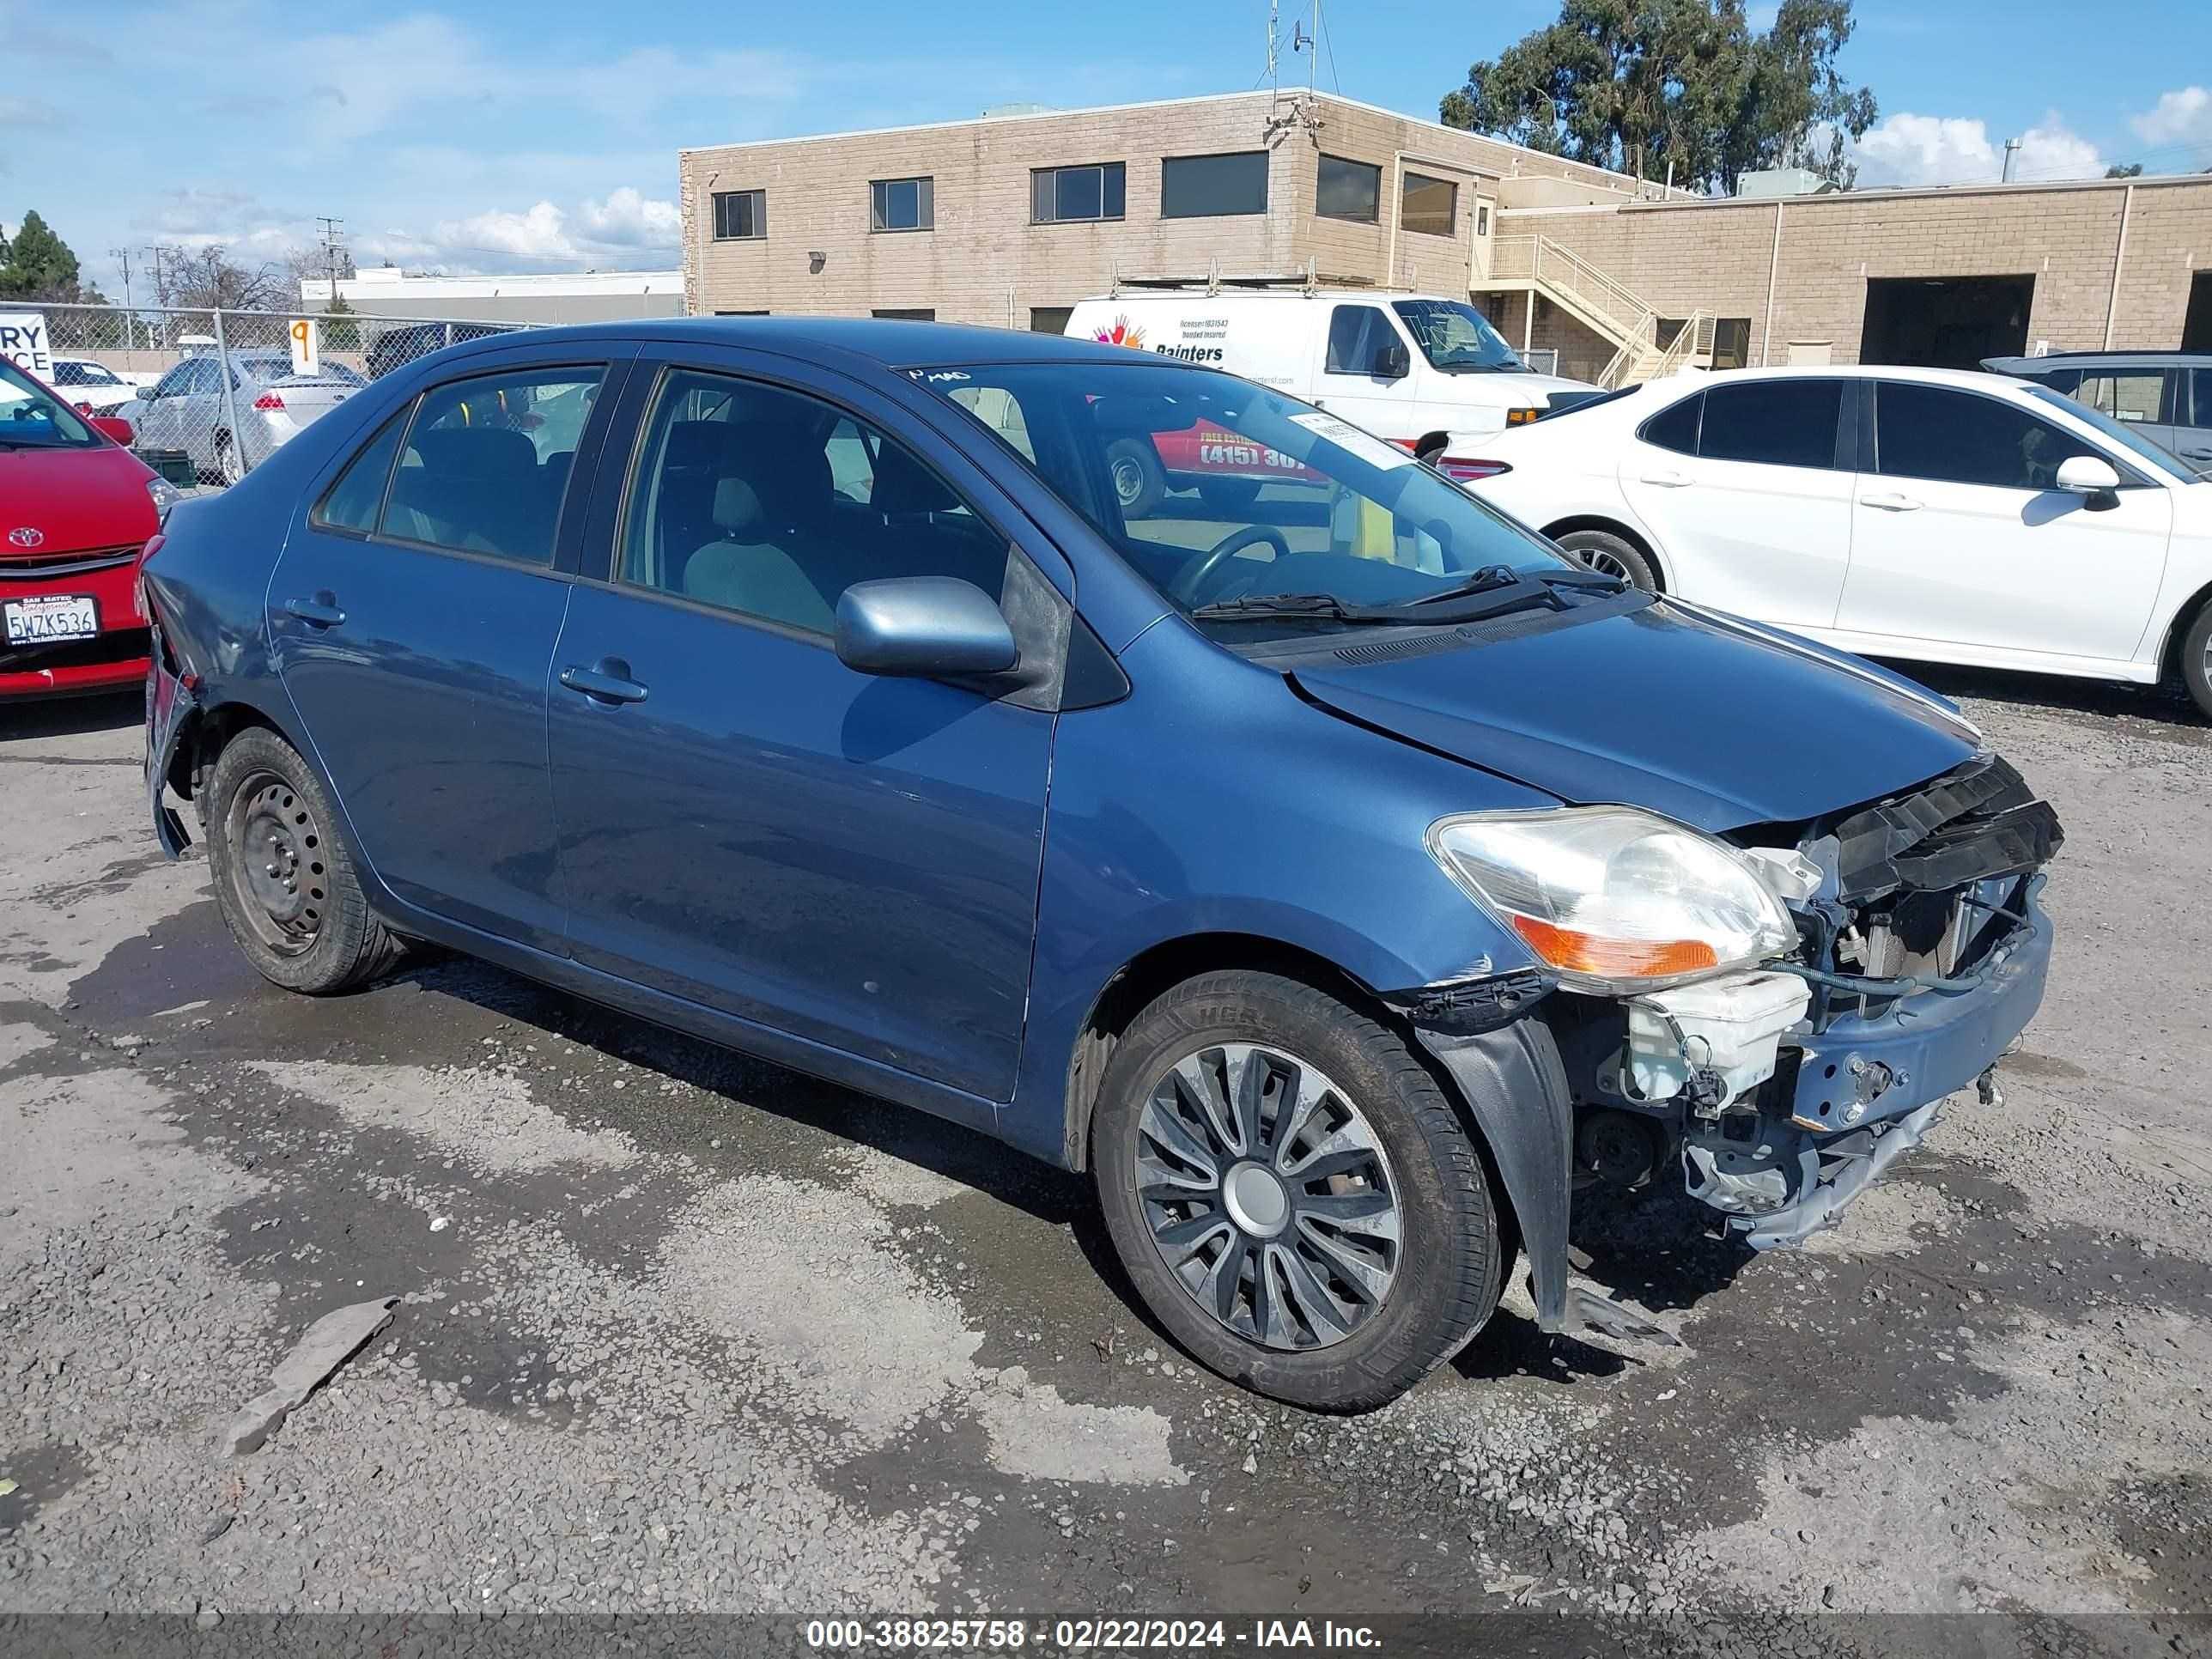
(1255, 514)
(1457, 338)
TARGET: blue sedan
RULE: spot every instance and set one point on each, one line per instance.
(1347, 879)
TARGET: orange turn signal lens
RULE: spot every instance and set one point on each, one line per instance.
(1615, 958)
(1521, 416)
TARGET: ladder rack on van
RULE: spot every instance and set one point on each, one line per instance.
(1307, 281)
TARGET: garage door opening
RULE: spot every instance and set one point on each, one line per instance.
(1947, 322)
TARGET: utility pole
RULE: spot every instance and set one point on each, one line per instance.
(122, 257)
(333, 247)
(2011, 149)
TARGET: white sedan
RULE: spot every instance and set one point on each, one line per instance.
(92, 386)
(1912, 513)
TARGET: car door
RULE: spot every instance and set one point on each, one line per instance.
(1746, 487)
(161, 426)
(1350, 383)
(2192, 417)
(744, 821)
(412, 615)
(1961, 539)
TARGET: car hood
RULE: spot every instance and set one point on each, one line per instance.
(74, 500)
(1712, 721)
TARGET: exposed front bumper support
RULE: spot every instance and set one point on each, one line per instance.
(167, 704)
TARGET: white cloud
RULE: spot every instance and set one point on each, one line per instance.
(1953, 150)
(2178, 119)
(627, 229)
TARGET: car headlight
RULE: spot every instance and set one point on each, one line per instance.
(166, 496)
(1612, 899)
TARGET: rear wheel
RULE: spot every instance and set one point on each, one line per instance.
(1291, 1192)
(1139, 482)
(285, 882)
(2196, 657)
(229, 465)
(1614, 556)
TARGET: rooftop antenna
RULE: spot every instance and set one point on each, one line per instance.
(1298, 110)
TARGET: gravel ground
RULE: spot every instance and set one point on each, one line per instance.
(680, 1332)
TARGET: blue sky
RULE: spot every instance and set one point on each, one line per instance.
(542, 134)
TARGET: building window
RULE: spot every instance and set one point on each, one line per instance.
(1060, 195)
(902, 204)
(1049, 319)
(1213, 186)
(911, 315)
(1732, 343)
(1428, 205)
(740, 216)
(1348, 190)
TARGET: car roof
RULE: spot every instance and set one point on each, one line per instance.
(877, 341)
(1968, 380)
(2116, 358)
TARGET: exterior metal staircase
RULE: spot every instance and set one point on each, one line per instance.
(1538, 265)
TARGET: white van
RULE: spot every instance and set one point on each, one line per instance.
(1420, 369)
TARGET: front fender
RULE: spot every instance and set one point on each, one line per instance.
(1214, 802)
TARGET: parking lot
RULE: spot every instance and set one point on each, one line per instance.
(678, 1331)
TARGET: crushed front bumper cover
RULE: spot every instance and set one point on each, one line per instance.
(1865, 1090)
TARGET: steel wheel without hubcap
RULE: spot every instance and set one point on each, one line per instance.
(276, 864)
(1269, 1196)
(1128, 481)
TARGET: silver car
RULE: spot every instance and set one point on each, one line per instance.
(225, 430)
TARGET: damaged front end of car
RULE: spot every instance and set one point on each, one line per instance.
(1776, 1017)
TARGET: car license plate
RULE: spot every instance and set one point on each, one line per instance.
(45, 620)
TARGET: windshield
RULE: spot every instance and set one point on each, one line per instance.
(1241, 505)
(2135, 443)
(32, 417)
(1458, 338)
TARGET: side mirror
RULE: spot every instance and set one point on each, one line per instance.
(1391, 360)
(2091, 477)
(115, 430)
(923, 627)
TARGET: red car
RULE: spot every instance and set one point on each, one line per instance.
(77, 510)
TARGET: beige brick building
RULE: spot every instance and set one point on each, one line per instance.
(2077, 266)
(1008, 220)
(813, 241)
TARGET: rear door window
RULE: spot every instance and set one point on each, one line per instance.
(486, 463)
(1960, 437)
(353, 503)
(1772, 423)
(1675, 428)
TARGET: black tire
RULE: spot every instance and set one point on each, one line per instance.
(1616, 556)
(316, 934)
(1446, 1271)
(2196, 657)
(1139, 481)
(1228, 496)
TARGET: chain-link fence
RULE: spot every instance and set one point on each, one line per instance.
(209, 394)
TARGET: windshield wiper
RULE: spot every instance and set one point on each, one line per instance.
(1304, 607)
(1488, 580)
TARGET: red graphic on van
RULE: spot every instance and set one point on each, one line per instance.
(1124, 332)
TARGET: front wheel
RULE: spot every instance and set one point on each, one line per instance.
(284, 881)
(1291, 1192)
(1612, 555)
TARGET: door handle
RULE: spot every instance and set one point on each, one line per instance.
(321, 611)
(1668, 478)
(1891, 502)
(606, 681)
